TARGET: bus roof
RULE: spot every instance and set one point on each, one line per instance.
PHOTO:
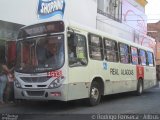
(77, 26)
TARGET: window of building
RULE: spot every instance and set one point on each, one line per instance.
(124, 53)
(110, 50)
(110, 8)
(134, 55)
(77, 50)
(142, 57)
(95, 47)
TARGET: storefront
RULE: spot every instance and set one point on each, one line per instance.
(8, 35)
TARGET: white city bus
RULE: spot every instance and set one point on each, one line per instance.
(67, 61)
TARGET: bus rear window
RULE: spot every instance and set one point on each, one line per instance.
(42, 28)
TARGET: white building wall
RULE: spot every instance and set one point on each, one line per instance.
(80, 11)
(18, 11)
(133, 26)
(115, 28)
(25, 11)
(133, 16)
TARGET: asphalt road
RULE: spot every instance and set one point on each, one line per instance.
(124, 103)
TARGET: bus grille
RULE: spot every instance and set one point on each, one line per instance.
(34, 79)
(35, 93)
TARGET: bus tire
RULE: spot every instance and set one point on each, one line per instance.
(95, 94)
(139, 88)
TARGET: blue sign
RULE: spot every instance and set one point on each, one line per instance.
(105, 66)
(49, 8)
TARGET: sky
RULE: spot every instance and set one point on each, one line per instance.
(152, 11)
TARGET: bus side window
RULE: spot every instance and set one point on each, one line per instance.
(142, 57)
(110, 50)
(124, 53)
(77, 50)
(134, 55)
(150, 58)
(95, 47)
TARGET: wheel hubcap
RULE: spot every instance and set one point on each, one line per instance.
(140, 88)
(94, 93)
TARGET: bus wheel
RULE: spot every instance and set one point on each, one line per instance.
(95, 94)
(139, 87)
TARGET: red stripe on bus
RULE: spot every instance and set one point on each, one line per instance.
(140, 71)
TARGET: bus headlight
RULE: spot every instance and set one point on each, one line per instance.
(17, 84)
(57, 82)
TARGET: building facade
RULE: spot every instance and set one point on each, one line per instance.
(126, 19)
(154, 32)
(8, 35)
(123, 18)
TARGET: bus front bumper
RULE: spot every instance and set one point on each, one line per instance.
(41, 94)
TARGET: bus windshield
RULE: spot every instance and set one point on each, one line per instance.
(40, 54)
